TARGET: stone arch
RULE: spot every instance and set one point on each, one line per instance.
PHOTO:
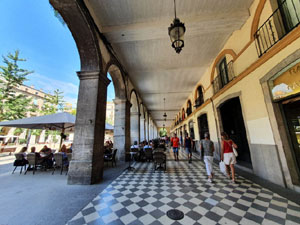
(218, 58)
(117, 76)
(122, 107)
(142, 123)
(134, 117)
(83, 29)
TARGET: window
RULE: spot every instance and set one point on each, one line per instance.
(189, 108)
(200, 98)
(223, 72)
(290, 12)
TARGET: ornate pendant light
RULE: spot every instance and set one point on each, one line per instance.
(165, 114)
(176, 33)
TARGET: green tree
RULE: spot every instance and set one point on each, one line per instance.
(13, 105)
(53, 103)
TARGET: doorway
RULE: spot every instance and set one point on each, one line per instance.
(202, 125)
(291, 109)
(233, 125)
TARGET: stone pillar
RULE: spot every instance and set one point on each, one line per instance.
(134, 127)
(121, 107)
(142, 129)
(87, 163)
(147, 128)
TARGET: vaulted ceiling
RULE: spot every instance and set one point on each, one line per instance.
(138, 32)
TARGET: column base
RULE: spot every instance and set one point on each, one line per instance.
(80, 172)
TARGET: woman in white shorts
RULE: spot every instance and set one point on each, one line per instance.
(227, 155)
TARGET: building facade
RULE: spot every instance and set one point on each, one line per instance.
(237, 73)
(251, 90)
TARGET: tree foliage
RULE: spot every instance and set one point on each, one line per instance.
(13, 105)
(53, 103)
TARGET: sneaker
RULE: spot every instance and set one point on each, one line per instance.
(209, 180)
(233, 181)
(228, 176)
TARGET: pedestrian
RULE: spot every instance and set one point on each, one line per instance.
(207, 146)
(188, 147)
(175, 144)
(227, 155)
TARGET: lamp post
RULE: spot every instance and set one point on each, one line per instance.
(176, 33)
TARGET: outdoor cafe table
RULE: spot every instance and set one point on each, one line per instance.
(131, 156)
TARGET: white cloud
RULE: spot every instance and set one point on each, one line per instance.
(70, 90)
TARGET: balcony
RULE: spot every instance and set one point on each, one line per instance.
(283, 20)
(199, 102)
(188, 111)
(223, 77)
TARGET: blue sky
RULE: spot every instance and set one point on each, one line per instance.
(31, 27)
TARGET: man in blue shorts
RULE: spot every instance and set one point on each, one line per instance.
(175, 144)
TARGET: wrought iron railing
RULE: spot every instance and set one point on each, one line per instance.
(188, 111)
(284, 19)
(224, 77)
(199, 101)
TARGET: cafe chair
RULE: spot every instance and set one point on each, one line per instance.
(159, 161)
(20, 162)
(32, 162)
(149, 154)
(59, 161)
(111, 158)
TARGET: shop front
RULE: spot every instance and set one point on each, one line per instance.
(284, 88)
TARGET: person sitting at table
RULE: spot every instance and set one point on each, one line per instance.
(135, 145)
(47, 156)
(64, 152)
(147, 145)
(23, 151)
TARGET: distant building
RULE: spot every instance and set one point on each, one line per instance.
(110, 112)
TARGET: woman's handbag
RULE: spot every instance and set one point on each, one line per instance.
(235, 151)
(222, 167)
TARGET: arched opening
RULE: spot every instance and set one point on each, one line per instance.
(202, 125)
(233, 124)
(110, 112)
(142, 123)
(134, 118)
(183, 114)
(189, 108)
(199, 98)
(117, 95)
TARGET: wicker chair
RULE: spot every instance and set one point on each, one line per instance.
(20, 161)
(160, 159)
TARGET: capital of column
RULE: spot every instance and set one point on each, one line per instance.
(93, 75)
(134, 113)
(119, 101)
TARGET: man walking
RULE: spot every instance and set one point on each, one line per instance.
(188, 147)
(175, 144)
(208, 148)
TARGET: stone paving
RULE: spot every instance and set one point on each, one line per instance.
(143, 196)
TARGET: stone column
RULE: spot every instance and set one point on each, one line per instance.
(134, 127)
(142, 129)
(147, 128)
(121, 107)
(86, 166)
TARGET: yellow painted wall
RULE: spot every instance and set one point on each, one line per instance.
(252, 99)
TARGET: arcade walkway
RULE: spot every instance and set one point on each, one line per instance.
(144, 197)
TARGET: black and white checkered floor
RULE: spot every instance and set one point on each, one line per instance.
(143, 197)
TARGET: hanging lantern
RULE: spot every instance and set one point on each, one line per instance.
(176, 33)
